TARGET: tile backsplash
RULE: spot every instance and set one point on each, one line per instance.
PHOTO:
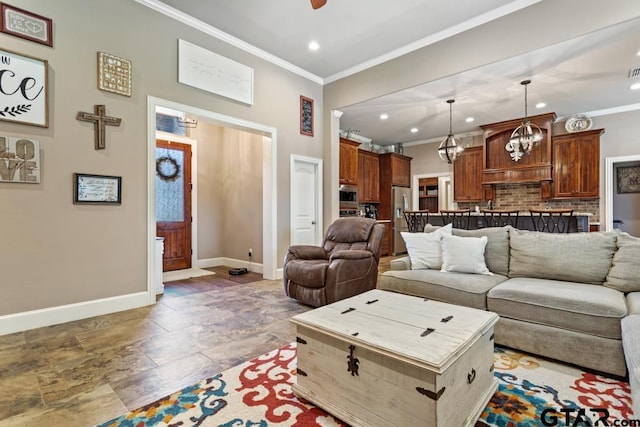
(527, 195)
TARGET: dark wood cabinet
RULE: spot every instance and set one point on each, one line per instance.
(576, 165)
(348, 161)
(368, 177)
(395, 170)
(467, 176)
(385, 245)
(428, 194)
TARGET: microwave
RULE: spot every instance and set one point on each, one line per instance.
(348, 196)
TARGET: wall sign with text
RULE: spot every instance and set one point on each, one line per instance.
(26, 25)
(23, 89)
(19, 160)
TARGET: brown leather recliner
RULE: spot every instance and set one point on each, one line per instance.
(345, 265)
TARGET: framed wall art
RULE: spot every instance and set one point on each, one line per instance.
(214, 73)
(114, 74)
(628, 179)
(24, 93)
(26, 25)
(306, 116)
(97, 189)
(19, 160)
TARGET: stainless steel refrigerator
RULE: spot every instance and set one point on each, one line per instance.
(401, 197)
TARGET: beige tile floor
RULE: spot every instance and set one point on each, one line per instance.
(89, 371)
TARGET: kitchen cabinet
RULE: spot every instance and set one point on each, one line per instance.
(395, 169)
(368, 177)
(428, 194)
(576, 165)
(467, 176)
(385, 245)
(348, 161)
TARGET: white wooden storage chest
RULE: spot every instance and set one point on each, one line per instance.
(387, 359)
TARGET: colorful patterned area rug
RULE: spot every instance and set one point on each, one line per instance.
(532, 392)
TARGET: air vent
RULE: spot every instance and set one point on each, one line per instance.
(635, 72)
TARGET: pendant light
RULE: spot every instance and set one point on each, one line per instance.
(450, 148)
(525, 137)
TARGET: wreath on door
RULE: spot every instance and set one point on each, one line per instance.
(167, 168)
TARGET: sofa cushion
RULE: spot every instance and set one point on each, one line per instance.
(595, 310)
(424, 248)
(454, 288)
(464, 254)
(633, 303)
(574, 257)
(631, 345)
(624, 274)
(496, 254)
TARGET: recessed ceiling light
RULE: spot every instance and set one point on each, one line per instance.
(384, 116)
(541, 104)
(469, 119)
(638, 53)
(313, 45)
(414, 130)
(635, 86)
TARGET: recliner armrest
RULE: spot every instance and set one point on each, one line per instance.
(350, 254)
(308, 252)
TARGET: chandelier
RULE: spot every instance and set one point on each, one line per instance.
(525, 137)
(450, 147)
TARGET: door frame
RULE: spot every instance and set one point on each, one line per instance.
(415, 191)
(269, 183)
(319, 207)
(609, 185)
(194, 187)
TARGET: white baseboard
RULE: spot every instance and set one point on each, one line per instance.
(231, 262)
(24, 321)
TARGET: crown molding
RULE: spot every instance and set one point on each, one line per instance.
(605, 111)
(507, 9)
(197, 24)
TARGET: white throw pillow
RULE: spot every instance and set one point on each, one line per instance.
(464, 255)
(425, 249)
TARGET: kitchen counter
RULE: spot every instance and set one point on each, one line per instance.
(579, 222)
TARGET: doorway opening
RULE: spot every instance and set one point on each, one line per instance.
(620, 210)
(269, 183)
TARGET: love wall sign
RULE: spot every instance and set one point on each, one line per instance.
(23, 89)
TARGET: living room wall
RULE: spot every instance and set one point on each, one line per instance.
(60, 253)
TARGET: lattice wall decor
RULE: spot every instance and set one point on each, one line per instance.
(114, 74)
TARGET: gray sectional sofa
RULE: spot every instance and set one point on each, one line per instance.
(563, 296)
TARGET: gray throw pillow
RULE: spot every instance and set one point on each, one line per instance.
(624, 274)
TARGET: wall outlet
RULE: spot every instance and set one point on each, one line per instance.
(250, 252)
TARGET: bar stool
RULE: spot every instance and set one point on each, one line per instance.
(458, 218)
(416, 220)
(500, 218)
(551, 220)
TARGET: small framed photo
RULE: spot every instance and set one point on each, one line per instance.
(306, 116)
(26, 25)
(97, 189)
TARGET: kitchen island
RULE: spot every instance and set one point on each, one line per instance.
(579, 222)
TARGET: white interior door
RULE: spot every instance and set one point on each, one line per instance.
(306, 201)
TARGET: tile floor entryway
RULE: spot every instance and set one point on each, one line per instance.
(88, 371)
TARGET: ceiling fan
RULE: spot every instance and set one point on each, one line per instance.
(317, 4)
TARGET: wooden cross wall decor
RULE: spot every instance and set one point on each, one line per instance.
(99, 120)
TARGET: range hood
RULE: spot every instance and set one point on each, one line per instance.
(497, 166)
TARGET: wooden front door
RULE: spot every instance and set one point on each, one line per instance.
(173, 203)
